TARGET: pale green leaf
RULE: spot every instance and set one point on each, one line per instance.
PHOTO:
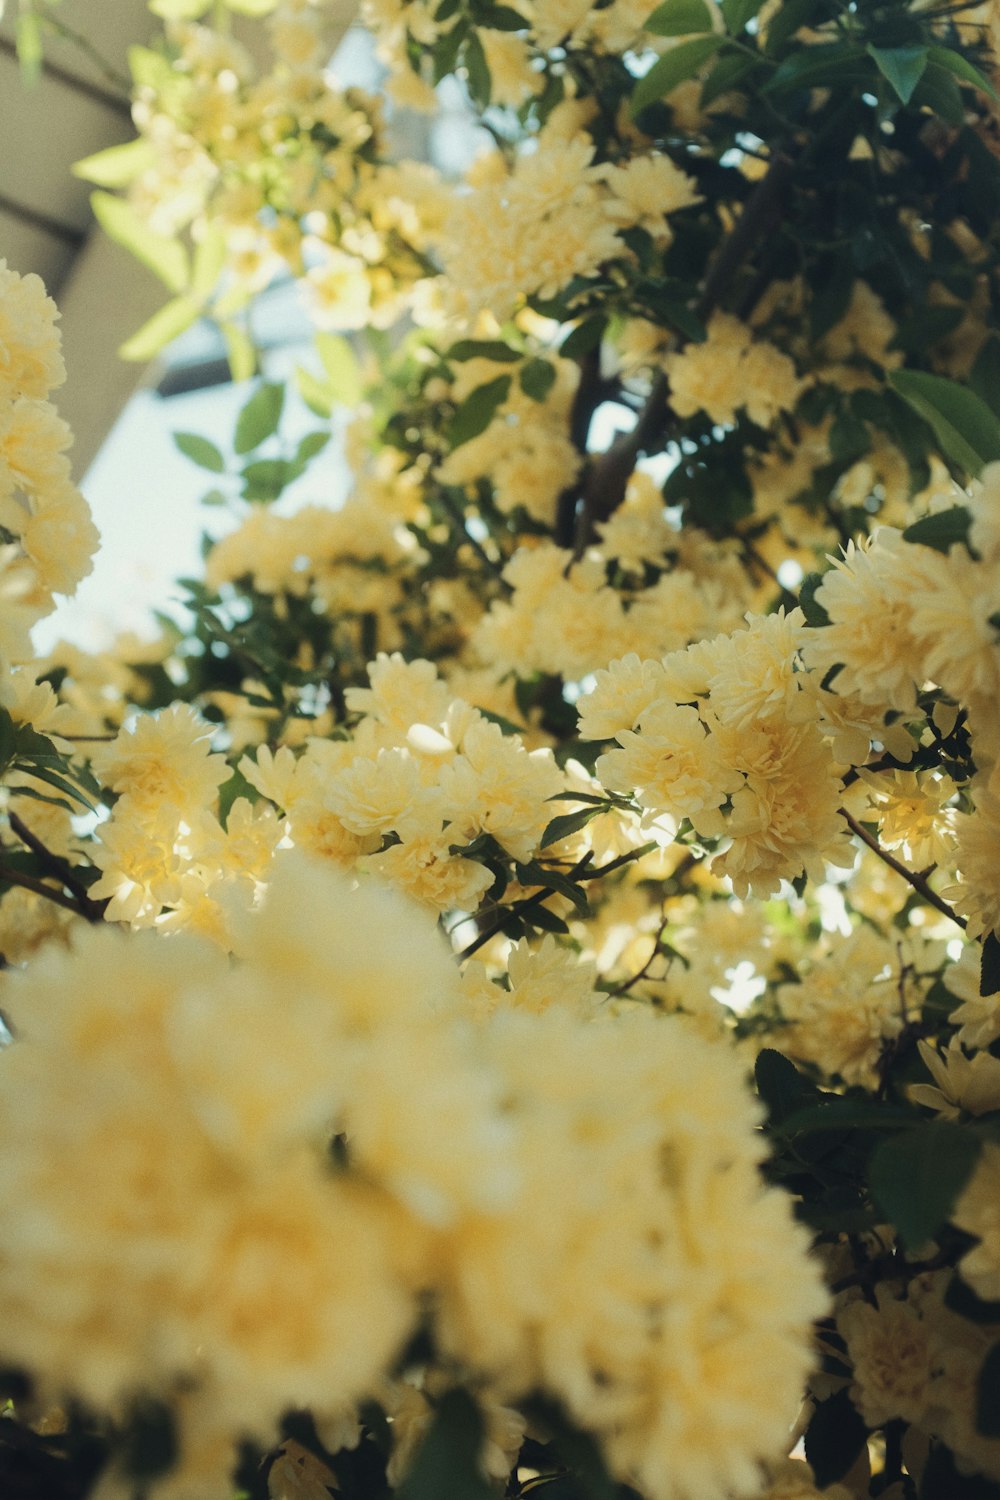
(241, 351)
(161, 329)
(259, 418)
(341, 365)
(164, 256)
(117, 166)
(209, 258)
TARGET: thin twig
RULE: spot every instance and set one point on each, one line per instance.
(59, 869)
(626, 984)
(918, 882)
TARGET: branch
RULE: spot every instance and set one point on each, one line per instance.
(918, 882)
(604, 480)
(59, 869)
(29, 883)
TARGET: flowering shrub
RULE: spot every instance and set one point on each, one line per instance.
(506, 998)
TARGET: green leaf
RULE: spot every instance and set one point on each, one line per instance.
(814, 612)
(780, 1085)
(28, 41)
(343, 372)
(250, 7)
(8, 739)
(901, 67)
(537, 378)
(230, 791)
(478, 410)
(179, 10)
(447, 1461)
(159, 253)
(966, 429)
(543, 919)
(938, 91)
(916, 1177)
(241, 352)
(500, 18)
(989, 968)
(728, 73)
(584, 337)
(681, 62)
(679, 18)
(568, 823)
(309, 446)
(314, 392)
(954, 62)
(492, 349)
(259, 418)
(984, 377)
(477, 71)
(117, 166)
(161, 329)
(200, 451)
(835, 1436)
(942, 529)
(736, 13)
(52, 778)
(821, 66)
(264, 480)
(209, 258)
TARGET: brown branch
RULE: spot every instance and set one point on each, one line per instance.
(917, 882)
(58, 869)
(626, 984)
(604, 480)
(29, 883)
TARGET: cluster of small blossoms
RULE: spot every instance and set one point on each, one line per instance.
(422, 776)
(565, 617)
(726, 735)
(286, 169)
(731, 370)
(553, 215)
(47, 539)
(904, 618)
(165, 856)
(216, 1251)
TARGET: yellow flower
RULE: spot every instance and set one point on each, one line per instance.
(163, 763)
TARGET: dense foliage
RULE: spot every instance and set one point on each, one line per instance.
(504, 996)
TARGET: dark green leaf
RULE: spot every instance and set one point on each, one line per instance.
(942, 1480)
(968, 432)
(838, 1113)
(200, 451)
(938, 92)
(814, 612)
(500, 18)
(780, 1085)
(902, 67)
(493, 349)
(584, 337)
(568, 823)
(916, 1177)
(477, 71)
(942, 529)
(989, 970)
(259, 418)
(230, 791)
(955, 62)
(447, 1461)
(149, 1445)
(926, 327)
(825, 65)
(543, 919)
(537, 378)
(831, 296)
(791, 16)
(984, 376)
(679, 18)
(448, 47)
(727, 74)
(478, 410)
(681, 62)
(736, 13)
(834, 1438)
(52, 778)
(8, 739)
